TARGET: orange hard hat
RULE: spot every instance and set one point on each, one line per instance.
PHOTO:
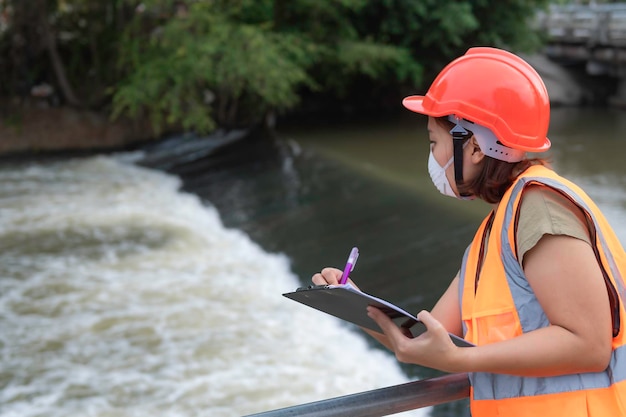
(495, 89)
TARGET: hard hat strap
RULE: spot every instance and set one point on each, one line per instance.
(459, 139)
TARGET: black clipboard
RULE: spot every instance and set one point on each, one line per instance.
(350, 304)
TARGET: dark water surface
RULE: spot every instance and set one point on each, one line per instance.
(315, 209)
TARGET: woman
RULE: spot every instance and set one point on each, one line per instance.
(541, 287)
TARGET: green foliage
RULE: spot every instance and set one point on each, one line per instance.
(246, 57)
(436, 31)
(373, 60)
(508, 25)
(84, 33)
(180, 67)
(199, 64)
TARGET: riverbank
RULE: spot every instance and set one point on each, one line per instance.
(36, 127)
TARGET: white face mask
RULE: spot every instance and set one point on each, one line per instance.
(439, 177)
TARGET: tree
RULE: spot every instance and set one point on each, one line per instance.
(199, 64)
(235, 61)
(190, 64)
(71, 44)
(246, 58)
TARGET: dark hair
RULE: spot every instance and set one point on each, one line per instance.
(495, 177)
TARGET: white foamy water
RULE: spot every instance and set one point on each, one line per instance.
(122, 296)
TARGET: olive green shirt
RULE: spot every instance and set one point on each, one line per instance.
(544, 211)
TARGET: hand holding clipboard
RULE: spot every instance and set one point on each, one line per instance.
(348, 303)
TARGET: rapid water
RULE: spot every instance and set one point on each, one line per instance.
(121, 295)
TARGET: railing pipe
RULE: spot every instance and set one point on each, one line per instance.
(383, 401)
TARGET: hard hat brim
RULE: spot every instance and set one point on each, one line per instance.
(415, 104)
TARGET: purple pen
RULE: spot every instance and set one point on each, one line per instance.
(354, 255)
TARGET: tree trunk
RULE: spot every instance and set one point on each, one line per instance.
(279, 14)
(50, 43)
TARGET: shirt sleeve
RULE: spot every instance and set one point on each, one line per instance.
(544, 211)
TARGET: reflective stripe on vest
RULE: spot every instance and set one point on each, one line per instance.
(497, 386)
(487, 386)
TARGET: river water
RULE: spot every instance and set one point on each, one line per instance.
(135, 286)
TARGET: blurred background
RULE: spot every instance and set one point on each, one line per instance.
(170, 168)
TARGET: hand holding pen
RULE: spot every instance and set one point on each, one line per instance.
(334, 276)
(354, 255)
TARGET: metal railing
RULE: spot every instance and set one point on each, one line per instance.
(383, 401)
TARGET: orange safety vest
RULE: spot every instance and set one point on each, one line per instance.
(503, 306)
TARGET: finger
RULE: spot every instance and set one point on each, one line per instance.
(387, 326)
(331, 275)
(328, 276)
(318, 279)
(433, 326)
(429, 321)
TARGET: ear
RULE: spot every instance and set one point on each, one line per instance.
(477, 155)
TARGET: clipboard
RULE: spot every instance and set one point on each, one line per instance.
(350, 304)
